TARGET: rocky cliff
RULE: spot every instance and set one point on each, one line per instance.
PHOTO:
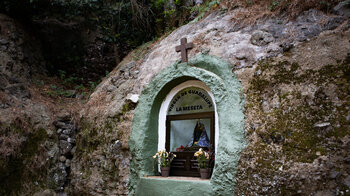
(31, 149)
(295, 82)
(295, 77)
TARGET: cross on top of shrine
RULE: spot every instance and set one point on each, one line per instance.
(183, 49)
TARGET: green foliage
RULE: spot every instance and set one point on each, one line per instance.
(168, 13)
(164, 158)
(125, 24)
(61, 74)
(158, 3)
(273, 5)
(38, 82)
(202, 9)
(249, 2)
(213, 3)
(199, 8)
(202, 158)
(57, 92)
(79, 87)
(121, 25)
(93, 85)
(71, 80)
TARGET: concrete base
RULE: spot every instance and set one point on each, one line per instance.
(168, 186)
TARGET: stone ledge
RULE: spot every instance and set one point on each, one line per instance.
(177, 178)
(159, 186)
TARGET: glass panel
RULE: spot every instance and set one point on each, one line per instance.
(182, 132)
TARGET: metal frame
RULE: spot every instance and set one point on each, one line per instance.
(210, 115)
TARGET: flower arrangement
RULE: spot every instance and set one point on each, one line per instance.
(202, 158)
(164, 158)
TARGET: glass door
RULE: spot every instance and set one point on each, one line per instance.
(186, 134)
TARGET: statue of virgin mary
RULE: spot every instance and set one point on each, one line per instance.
(200, 137)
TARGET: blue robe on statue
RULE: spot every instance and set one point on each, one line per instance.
(200, 137)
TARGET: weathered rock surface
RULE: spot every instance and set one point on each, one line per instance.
(284, 66)
(27, 140)
(20, 60)
(261, 38)
(343, 9)
(212, 35)
(31, 150)
(294, 75)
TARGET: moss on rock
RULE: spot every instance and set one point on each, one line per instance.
(300, 117)
(24, 168)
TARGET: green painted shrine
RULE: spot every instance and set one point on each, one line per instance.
(215, 74)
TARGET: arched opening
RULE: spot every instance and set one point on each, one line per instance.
(188, 122)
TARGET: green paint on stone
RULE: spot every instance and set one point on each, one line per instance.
(227, 91)
(169, 187)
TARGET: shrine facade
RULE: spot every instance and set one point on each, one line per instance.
(185, 108)
(201, 92)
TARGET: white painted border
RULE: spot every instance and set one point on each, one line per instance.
(165, 105)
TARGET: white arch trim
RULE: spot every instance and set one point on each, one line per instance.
(165, 105)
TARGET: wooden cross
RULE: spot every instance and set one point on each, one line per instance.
(183, 49)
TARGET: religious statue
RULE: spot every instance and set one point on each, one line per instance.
(200, 137)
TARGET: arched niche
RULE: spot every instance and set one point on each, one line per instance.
(185, 106)
(144, 142)
(175, 104)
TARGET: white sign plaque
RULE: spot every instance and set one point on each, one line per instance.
(190, 100)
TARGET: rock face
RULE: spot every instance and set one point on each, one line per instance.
(294, 76)
(261, 38)
(24, 123)
(20, 60)
(30, 148)
(20, 55)
(343, 9)
(59, 172)
(37, 144)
